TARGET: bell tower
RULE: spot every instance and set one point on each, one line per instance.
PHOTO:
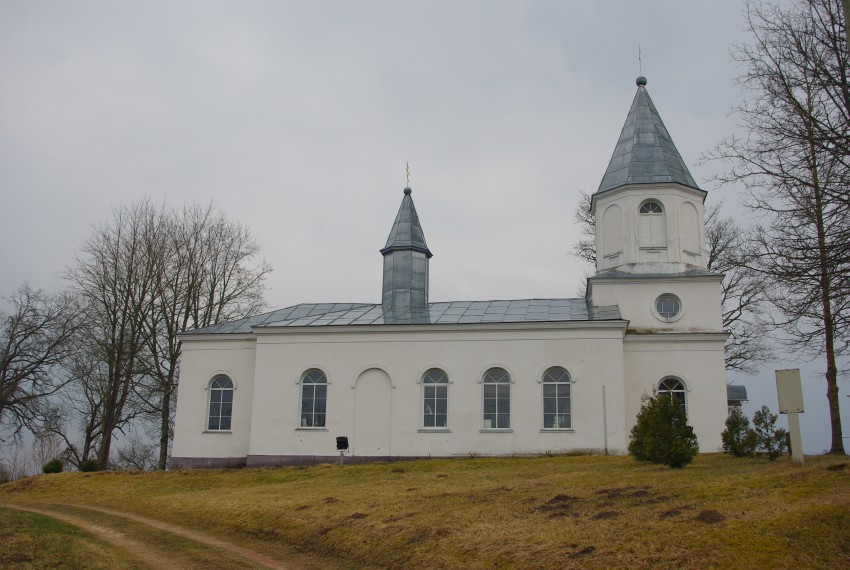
(650, 233)
(648, 208)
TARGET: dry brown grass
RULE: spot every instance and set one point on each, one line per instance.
(545, 512)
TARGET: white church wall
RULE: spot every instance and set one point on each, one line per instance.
(696, 360)
(201, 361)
(699, 296)
(683, 241)
(592, 355)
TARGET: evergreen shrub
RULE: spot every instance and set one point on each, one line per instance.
(772, 440)
(739, 439)
(89, 465)
(53, 466)
(661, 434)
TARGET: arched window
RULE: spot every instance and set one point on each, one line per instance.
(651, 222)
(497, 399)
(435, 397)
(314, 397)
(556, 399)
(221, 403)
(673, 388)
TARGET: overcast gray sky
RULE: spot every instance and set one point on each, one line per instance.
(298, 117)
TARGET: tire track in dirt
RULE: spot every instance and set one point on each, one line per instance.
(139, 549)
(136, 549)
(246, 553)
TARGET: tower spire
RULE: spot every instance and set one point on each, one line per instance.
(645, 153)
(405, 288)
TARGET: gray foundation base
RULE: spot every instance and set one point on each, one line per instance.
(285, 460)
(280, 460)
(205, 462)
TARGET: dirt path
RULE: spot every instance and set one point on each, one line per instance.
(141, 550)
(136, 549)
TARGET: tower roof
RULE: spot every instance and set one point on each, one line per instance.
(407, 232)
(645, 153)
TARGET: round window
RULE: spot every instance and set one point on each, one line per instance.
(668, 306)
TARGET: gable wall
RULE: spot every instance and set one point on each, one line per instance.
(200, 362)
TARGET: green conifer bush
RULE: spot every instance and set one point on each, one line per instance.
(53, 466)
(772, 440)
(739, 439)
(661, 434)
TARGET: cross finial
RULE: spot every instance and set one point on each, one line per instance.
(640, 62)
(407, 168)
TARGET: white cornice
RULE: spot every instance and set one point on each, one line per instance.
(645, 188)
(191, 337)
(447, 327)
(655, 277)
(676, 337)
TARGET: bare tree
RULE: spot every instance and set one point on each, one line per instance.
(144, 276)
(585, 248)
(136, 455)
(115, 278)
(211, 273)
(35, 338)
(742, 290)
(793, 163)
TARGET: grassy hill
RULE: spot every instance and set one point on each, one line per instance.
(542, 512)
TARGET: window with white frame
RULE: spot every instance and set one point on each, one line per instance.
(651, 224)
(435, 398)
(668, 307)
(221, 404)
(497, 399)
(673, 388)
(314, 397)
(557, 411)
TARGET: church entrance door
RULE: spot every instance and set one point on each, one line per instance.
(373, 403)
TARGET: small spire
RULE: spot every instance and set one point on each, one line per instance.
(406, 232)
(407, 168)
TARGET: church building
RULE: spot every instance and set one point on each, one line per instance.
(408, 378)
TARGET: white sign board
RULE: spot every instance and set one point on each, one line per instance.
(790, 391)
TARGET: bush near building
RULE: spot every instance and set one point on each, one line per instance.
(661, 434)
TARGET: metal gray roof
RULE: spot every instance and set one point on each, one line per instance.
(406, 232)
(736, 393)
(645, 153)
(455, 312)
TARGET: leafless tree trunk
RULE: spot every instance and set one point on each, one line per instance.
(795, 164)
(114, 276)
(845, 4)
